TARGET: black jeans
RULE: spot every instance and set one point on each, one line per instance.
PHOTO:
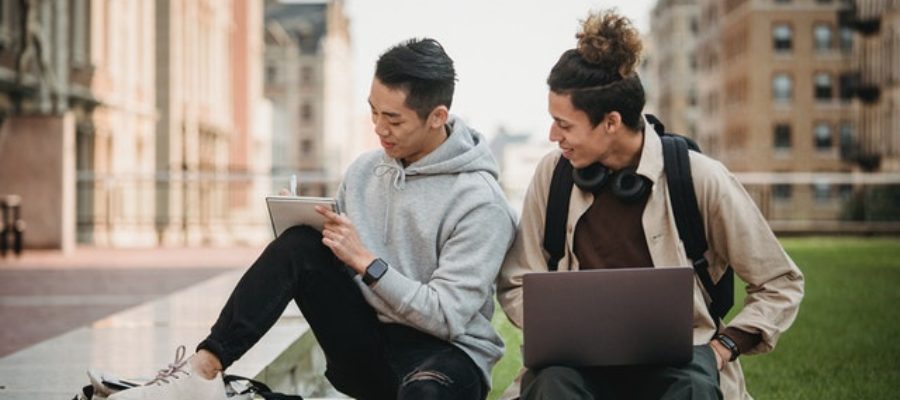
(366, 358)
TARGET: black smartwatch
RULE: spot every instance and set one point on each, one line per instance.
(730, 345)
(375, 271)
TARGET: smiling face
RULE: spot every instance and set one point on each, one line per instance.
(403, 135)
(611, 142)
(581, 143)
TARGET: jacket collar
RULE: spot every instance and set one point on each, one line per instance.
(651, 164)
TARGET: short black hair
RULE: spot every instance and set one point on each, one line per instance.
(423, 70)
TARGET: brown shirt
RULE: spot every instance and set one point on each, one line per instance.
(610, 234)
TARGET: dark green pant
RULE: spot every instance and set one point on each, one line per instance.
(696, 380)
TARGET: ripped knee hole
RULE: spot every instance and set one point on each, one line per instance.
(421, 375)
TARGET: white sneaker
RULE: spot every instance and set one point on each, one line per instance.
(177, 382)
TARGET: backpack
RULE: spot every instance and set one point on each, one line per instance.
(684, 205)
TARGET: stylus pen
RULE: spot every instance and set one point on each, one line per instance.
(294, 185)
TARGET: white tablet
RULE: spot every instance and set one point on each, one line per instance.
(288, 211)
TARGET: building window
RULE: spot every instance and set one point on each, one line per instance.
(822, 135)
(782, 139)
(847, 84)
(306, 147)
(847, 134)
(272, 74)
(782, 192)
(306, 75)
(822, 192)
(5, 23)
(846, 39)
(782, 88)
(823, 86)
(783, 1)
(845, 192)
(306, 113)
(822, 37)
(782, 37)
(846, 139)
(80, 33)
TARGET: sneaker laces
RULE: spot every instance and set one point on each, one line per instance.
(172, 371)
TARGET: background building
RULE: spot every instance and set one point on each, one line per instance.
(194, 99)
(251, 146)
(308, 81)
(647, 70)
(769, 85)
(47, 68)
(873, 26)
(134, 123)
(708, 53)
(113, 56)
(674, 28)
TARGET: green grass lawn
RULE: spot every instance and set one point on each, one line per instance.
(845, 343)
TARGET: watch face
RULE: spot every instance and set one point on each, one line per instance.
(378, 268)
(375, 271)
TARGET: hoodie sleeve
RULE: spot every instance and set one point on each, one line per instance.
(527, 253)
(468, 263)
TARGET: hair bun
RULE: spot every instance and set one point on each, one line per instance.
(610, 41)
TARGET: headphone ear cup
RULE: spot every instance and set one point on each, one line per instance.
(629, 186)
(591, 178)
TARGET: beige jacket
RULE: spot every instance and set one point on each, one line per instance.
(736, 231)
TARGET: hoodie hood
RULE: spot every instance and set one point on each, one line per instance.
(465, 150)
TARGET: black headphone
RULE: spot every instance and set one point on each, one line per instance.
(627, 185)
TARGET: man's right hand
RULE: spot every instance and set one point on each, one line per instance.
(722, 354)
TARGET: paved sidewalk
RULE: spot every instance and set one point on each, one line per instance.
(163, 257)
(46, 293)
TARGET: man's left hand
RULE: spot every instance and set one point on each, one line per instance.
(340, 236)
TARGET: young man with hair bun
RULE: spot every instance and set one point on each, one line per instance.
(596, 100)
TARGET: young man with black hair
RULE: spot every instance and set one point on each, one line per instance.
(399, 289)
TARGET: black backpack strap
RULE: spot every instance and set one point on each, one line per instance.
(558, 212)
(657, 124)
(260, 388)
(689, 221)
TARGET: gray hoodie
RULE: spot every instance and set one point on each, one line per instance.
(443, 225)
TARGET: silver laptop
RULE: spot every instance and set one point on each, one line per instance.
(608, 317)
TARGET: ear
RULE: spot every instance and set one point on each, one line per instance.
(613, 121)
(438, 117)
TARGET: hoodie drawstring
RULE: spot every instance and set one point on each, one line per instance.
(399, 174)
(399, 182)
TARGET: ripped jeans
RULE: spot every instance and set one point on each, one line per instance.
(366, 358)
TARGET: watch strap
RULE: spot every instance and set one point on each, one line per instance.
(730, 345)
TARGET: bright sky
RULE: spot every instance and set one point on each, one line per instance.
(502, 50)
